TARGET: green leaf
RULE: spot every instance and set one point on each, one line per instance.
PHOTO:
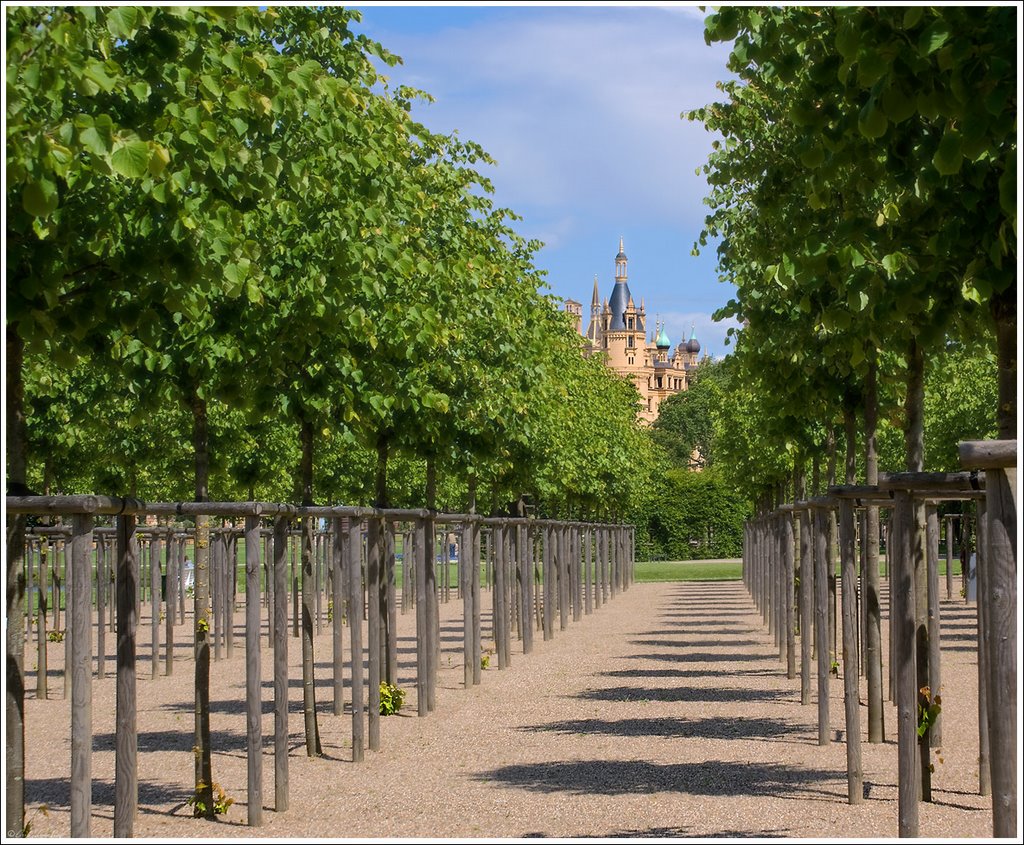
(40, 198)
(933, 37)
(912, 16)
(97, 136)
(898, 105)
(848, 39)
(97, 72)
(1008, 185)
(122, 21)
(131, 159)
(872, 121)
(159, 159)
(949, 156)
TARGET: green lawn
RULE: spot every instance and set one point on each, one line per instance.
(689, 570)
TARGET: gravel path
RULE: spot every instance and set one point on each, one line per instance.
(665, 713)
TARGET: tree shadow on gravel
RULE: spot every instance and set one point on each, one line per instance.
(677, 832)
(687, 673)
(681, 694)
(638, 777)
(702, 657)
(686, 643)
(56, 793)
(183, 740)
(721, 728)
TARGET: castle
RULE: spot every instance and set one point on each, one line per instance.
(618, 330)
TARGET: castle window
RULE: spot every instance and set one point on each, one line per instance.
(657, 382)
(629, 340)
(630, 324)
(631, 362)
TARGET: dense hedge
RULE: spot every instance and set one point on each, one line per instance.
(692, 516)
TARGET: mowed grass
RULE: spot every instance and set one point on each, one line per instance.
(689, 570)
(727, 570)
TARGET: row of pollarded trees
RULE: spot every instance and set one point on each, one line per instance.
(863, 197)
(220, 232)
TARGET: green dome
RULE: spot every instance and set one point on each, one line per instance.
(662, 341)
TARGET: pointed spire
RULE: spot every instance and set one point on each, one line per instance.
(621, 248)
(595, 301)
(642, 305)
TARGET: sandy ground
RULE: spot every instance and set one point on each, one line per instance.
(665, 713)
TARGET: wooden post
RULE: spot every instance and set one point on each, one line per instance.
(171, 602)
(526, 585)
(80, 625)
(851, 674)
(919, 559)
(253, 697)
(549, 582)
(949, 557)
(806, 612)
(901, 575)
(498, 594)
(563, 577)
(577, 574)
(873, 630)
(423, 564)
(934, 624)
(154, 603)
(821, 633)
(126, 776)
(69, 586)
(374, 553)
(230, 583)
(588, 550)
(475, 586)
(280, 663)
(433, 623)
(216, 593)
(466, 589)
(102, 581)
(318, 556)
(389, 609)
(355, 590)
(984, 639)
(337, 614)
(1000, 598)
(41, 657)
(788, 552)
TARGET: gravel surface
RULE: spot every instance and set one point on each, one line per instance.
(665, 713)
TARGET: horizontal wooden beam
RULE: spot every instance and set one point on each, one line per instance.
(988, 454)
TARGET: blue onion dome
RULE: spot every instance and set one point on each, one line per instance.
(662, 341)
(693, 345)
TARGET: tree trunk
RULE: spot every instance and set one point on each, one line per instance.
(201, 598)
(388, 641)
(830, 560)
(1004, 312)
(432, 618)
(914, 442)
(872, 599)
(313, 748)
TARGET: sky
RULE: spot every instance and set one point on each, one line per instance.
(580, 106)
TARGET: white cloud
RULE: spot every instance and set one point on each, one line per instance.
(577, 105)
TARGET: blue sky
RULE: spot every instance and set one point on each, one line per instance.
(579, 104)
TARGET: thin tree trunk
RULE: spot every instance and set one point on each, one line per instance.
(1004, 310)
(872, 589)
(313, 748)
(201, 597)
(914, 442)
(15, 639)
